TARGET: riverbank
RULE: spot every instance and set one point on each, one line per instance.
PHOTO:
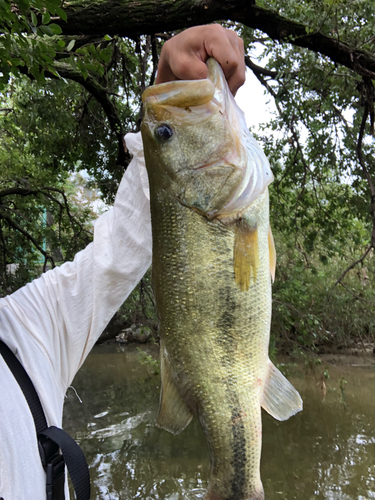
(125, 334)
(324, 452)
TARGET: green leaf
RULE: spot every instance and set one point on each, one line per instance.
(70, 45)
(46, 29)
(17, 62)
(55, 28)
(33, 29)
(106, 54)
(46, 17)
(51, 53)
(62, 14)
(52, 5)
(61, 43)
(15, 70)
(34, 19)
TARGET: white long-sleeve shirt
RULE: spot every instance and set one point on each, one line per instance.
(52, 323)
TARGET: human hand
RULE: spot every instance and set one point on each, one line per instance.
(183, 57)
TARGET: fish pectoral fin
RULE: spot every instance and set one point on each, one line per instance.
(245, 255)
(280, 398)
(173, 415)
(272, 254)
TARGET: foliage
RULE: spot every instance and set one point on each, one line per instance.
(321, 149)
(36, 221)
(139, 307)
(48, 132)
(309, 312)
(80, 95)
(151, 365)
(27, 37)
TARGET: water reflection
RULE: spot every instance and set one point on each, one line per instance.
(326, 452)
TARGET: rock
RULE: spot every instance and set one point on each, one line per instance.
(125, 336)
(142, 334)
(135, 333)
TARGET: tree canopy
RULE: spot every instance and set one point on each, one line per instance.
(71, 77)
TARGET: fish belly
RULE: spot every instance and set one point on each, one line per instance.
(215, 337)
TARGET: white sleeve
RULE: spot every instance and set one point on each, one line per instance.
(67, 308)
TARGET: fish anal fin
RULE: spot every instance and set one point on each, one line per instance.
(245, 254)
(272, 254)
(280, 398)
(173, 415)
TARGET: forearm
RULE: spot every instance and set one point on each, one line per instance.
(66, 309)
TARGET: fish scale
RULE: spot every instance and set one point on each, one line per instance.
(213, 258)
(204, 320)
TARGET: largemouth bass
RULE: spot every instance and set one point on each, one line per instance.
(213, 258)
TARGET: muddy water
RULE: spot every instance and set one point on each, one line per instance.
(325, 452)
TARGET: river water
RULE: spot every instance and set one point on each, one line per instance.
(325, 452)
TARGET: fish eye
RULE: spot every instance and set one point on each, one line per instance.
(164, 132)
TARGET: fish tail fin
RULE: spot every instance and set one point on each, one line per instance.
(280, 398)
(173, 415)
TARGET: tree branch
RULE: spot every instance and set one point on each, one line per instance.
(259, 70)
(360, 260)
(101, 95)
(155, 59)
(18, 190)
(352, 293)
(284, 30)
(18, 228)
(72, 219)
(368, 94)
(131, 19)
(45, 191)
(368, 97)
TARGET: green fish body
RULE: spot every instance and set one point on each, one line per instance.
(213, 257)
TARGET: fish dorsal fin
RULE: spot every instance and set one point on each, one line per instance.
(174, 415)
(272, 254)
(245, 255)
(280, 398)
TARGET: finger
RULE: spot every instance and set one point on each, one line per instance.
(228, 50)
(189, 66)
(185, 68)
(238, 77)
(182, 57)
(164, 74)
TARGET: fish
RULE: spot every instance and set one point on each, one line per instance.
(212, 267)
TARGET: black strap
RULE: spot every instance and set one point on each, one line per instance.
(26, 385)
(74, 459)
(51, 440)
